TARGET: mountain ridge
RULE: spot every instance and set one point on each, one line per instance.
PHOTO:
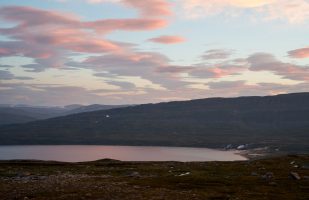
(15, 114)
(276, 121)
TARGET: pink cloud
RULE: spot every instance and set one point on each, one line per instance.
(108, 25)
(217, 54)
(267, 62)
(299, 53)
(29, 16)
(33, 18)
(128, 60)
(49, 36)
(150, 66)
(221, 72)
(145, 7)
(165, 39)
(174, 69)
(218, 70)
(292, 11)
(150, 7)
(5, 52)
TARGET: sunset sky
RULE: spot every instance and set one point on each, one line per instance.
(59, 52)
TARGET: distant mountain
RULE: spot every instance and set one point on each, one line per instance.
(73, 106)
(277, 121)
(93, 107)
(22, 114)
(14, 114)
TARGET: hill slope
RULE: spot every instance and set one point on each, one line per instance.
(93, 107)
(22, 114)
(281, 121)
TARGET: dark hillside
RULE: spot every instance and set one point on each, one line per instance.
(278, 121)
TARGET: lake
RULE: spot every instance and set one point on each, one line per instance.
(78, 153)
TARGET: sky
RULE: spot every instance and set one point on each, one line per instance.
(60, 52)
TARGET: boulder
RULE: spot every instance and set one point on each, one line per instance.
(295, 175)
(134, 174)
(268, 176)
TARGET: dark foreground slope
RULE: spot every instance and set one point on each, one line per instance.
(281, 121)
(108, 179)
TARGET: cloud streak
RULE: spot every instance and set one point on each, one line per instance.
(50, 36)
(292, 11)
(146, 8)
(217, 54)
(267, 62)
(123, 72)
(299, 53)
(168, 39)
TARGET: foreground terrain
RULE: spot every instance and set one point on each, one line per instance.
(270, 178)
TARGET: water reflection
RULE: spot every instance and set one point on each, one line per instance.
(76, 153)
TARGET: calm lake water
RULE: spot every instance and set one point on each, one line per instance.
(77, 153)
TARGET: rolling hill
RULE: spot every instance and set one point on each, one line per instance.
(22, 113)
(277, 121)
(92, 107)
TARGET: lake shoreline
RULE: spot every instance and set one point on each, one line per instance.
(79, 153)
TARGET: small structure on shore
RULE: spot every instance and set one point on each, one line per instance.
(242, 147)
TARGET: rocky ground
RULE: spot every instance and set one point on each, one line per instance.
(279, 178)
